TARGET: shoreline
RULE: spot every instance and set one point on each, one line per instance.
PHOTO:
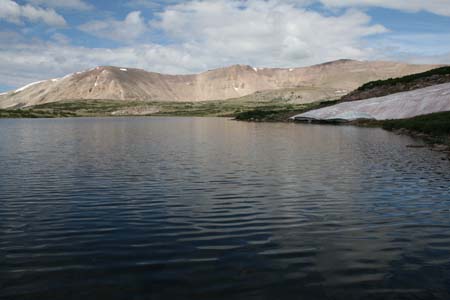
(259, 114)
(431, 142)
(439, 143)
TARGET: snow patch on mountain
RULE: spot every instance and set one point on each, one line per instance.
(396, 106)
(27, 86)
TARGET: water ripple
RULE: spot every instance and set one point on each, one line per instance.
(177, 208)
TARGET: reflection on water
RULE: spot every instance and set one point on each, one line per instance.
(152, 208)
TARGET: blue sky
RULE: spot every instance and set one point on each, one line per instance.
(42, 39)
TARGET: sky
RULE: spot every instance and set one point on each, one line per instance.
(42, 39)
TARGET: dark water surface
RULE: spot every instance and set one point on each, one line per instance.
(192, 208)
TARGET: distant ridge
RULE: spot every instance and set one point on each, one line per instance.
(119, 83)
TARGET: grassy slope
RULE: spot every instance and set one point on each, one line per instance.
(382, 88)
(405, 79)
(437, 124)
(280, 114)
(91, 108)
(30, 113)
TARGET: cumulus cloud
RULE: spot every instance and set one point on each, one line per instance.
(12, 12)
(132, 27)
(266, 33)
(72, 4)
(24, 63)
(439, 7)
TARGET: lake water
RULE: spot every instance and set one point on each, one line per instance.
(199, 208)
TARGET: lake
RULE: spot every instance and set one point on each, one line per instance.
(210, 208)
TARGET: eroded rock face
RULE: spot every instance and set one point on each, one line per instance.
(396, 106)
(113, 83)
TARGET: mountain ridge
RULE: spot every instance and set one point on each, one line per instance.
(120, 83)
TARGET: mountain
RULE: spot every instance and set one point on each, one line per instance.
(328, 80)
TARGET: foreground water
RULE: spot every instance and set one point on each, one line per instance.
(178, 208)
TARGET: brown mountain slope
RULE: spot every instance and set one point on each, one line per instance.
(114, 83)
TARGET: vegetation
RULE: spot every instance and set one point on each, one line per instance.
(435, 128)
(437, 124)
(281, 109)
(85, 107)
(30, 113)
(405, 80)
(279, 114)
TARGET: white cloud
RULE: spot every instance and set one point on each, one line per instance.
(60, 38)
(266, 33)
(24, 63)
(150, 4)
(10, 37)
(131, 28)
(439, 7)
(209, 34)
(12, 12)
(72, 4)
